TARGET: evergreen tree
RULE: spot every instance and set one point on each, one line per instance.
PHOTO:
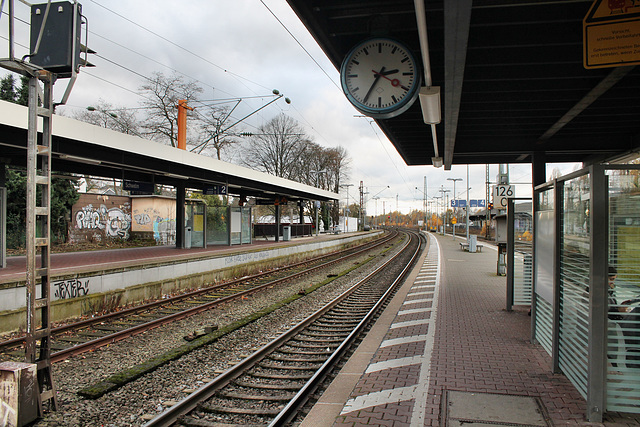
(63, 191)
(8, 89)
(22, 97)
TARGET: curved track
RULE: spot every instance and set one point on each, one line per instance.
(269, 387)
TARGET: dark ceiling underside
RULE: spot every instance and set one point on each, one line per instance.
(524, 89)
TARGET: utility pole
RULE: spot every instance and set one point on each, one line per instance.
(182, 123)
(425, 202)
(361, 212)
(455, 208)
(467, 203)
(444, 214)
(346, 209)
(488, 219)
(384, 220)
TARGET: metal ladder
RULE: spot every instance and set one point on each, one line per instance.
(38, 339)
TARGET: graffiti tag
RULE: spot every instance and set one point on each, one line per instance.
(114, 221)
(71, 288)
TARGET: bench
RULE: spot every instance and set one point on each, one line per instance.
(465, 246)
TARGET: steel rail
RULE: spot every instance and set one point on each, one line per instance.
(289, 412)
(189, 403)
(14, 342)
(142, 327)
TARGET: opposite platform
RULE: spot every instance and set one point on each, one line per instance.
(83, 283)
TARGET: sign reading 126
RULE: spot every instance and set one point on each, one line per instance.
(380, 77)
(501, 193)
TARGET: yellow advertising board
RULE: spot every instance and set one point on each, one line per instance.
(611, 32)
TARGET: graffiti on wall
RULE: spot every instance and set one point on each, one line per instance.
(162, 225)
(164, 230)
(72, 288)
(114, 221)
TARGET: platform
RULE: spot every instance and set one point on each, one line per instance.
(446, 353)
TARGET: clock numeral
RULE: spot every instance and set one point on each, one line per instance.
(366, 52)
(407, 74)
(379, 47)
(379, 102)
(355, 89)
(394, 98)
(394, 50)
(352, 75)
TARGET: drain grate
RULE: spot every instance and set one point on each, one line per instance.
(490, 409)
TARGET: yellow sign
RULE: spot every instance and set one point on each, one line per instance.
(611, 32)
(454, 221)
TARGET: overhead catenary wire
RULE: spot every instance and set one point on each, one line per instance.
(177, 45)
(156, 34)
(300, 44)
(130, 70)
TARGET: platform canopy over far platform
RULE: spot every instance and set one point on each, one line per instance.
(511, 74)
(82, 148)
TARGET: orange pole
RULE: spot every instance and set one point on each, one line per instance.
(182, 124)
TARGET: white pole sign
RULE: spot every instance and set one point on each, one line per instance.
(500, 195)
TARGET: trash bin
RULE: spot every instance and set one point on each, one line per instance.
(187, 237)
(286, 233)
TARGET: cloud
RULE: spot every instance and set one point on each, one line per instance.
(238, 49)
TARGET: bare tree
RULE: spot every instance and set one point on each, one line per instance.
(278, 148)
(214, 134)
(161, 95)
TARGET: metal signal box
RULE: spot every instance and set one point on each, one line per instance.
(59, 49)
(18, 394)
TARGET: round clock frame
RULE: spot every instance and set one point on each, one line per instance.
(381, 77)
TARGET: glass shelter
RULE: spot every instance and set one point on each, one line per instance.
(586, 300)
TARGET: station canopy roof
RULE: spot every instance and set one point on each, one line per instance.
(86, 149)
(511, 77)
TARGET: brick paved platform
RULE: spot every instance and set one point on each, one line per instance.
(80, 262)
(447, 333)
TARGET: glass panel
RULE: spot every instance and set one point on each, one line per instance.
(623, 376)
(544, 316)
(246, 225)
(197, 230)
(545, 236)
(217, 232)
(545, 200)
(236, 225)
(574, 281)
(523, 258)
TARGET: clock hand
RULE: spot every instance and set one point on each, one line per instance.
(378, 75)
(394, 82)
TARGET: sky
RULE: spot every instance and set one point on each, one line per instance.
(245, 49)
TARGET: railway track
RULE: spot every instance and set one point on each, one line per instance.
(87, 335)
(271, 385)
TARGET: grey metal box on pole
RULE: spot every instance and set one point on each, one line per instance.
(55, 46)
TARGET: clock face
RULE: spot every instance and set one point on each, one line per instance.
(381, 78)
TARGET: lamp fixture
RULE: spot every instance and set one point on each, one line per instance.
(173, 175)
(430, 103)
(80, 159)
